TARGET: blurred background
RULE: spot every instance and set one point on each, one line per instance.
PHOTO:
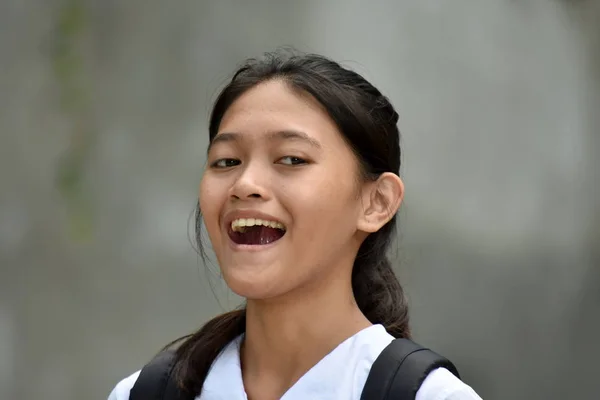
(103, 111)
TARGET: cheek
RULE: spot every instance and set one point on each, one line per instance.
(209, 198)
(326, 201)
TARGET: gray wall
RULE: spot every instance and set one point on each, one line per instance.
(498, 249)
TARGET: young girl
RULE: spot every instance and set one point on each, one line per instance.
(299, 199)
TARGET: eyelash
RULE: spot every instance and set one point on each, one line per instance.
(232, 162)
(226, 161)
(299, 161)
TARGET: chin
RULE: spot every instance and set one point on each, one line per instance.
(252, 286)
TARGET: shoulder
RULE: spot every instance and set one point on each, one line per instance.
(122, 389)
(441, 384)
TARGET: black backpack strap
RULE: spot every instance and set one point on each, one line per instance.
(156, 382)
(400, 370)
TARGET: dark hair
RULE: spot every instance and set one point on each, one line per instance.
(367, 121)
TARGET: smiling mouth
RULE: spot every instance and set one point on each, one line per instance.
(255, 232)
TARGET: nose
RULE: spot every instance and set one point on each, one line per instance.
(250, 184)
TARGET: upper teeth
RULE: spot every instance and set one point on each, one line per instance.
(238, 224)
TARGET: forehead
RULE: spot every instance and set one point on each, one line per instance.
(274, 107)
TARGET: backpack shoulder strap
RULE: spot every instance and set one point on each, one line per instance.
(156, 382)
(400, 370)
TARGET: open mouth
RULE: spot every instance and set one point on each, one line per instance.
(254, 231)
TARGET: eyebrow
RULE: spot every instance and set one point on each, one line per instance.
(279, 135)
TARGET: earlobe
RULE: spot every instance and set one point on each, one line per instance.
(381, 201)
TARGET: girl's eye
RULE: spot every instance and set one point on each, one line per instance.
(225, 163)
(289, 160)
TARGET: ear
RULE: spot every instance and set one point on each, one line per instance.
(381, 200)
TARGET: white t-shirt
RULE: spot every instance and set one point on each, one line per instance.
(340, 375)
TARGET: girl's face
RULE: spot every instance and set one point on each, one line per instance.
(280, 197)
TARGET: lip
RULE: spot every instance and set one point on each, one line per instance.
(231, 216)
(236, 214)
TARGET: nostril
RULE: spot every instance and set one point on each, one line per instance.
(255, 195)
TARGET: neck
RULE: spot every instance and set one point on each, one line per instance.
(285, 337)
